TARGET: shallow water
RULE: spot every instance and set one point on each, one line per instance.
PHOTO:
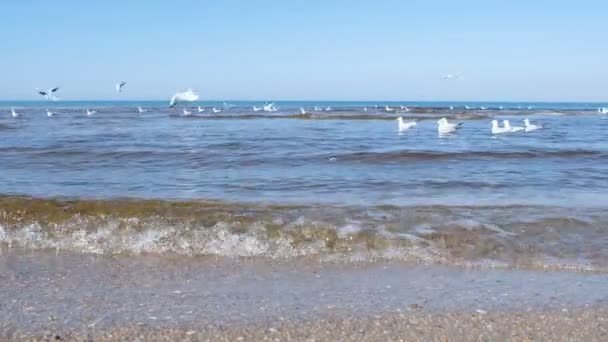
(356, 189)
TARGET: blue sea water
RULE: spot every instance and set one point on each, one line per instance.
(342, 156)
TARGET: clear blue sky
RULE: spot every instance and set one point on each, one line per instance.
(307, 50)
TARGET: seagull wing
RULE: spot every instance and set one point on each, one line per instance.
(54, 90)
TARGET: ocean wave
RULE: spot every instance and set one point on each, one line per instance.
(412, 155)
(515, 236)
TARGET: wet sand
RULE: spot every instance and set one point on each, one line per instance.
(79, 297)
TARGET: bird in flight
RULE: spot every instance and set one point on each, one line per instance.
(451, 76)
(119, 86)
(49, 94)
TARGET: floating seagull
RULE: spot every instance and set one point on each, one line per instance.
(496, 129)
(303, 111)
(528, 127)
(501, 107)
(318, 109)
(483, 108)
(14, 114)
(451, 76)
(49, 94)
(119, 86)
(90, 112)
(49, 113)
(451, 107)
(269, 107)
(404, 126)
(141, 110)
(404, 108)
(187, 112)
(187, 96)
(512, 129)
(445, 127)
(257, 109)
(365, 109)
(200, 109)
(328, 109)
(215, 110)
(467, 107)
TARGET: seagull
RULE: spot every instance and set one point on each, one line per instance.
(451, 107)
(269, 107)
(467, 107)
(451, 76)
(257, 109)
(187, 96)
(512, 129)
(528, 127)
(496, 129)
(404, 108)
(445, 127)
(483, 108)
(215, 110)
(388, 109)
(90, 112)
(318, 109)
(404, 126)
(14, 114)
(49, 113)
(501, 108)
(328, 109)
(187, 112)
(603, 110)
(119, 86)
(49, 94)
(365, 109)
(303, 111)
(141, 110)
(200, 109)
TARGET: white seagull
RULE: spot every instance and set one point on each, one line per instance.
(451, 76)
(445, 127)
(215, 110)
(467, 107)
(528, 127)
(187, 112)
(119, 86)
(512, 129)
(141, 110)
(14, 114)
(388, 109)
(269, 107)
(365, 109)
(200, 109)
(405, 108)
(257, 109)
(483, 108)
(451, 107)
(90, 112)
(187, 96)
(496, 129)
(303, 111)
(49, 94)
(318, 109)
(328, 109)
(49, 113)
(404, 126)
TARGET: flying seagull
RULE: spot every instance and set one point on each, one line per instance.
(188, 96)
(49, 94)
(451, 76)
(119, 86)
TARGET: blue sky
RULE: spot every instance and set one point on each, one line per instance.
(306, 50)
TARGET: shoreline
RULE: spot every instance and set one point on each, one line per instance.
(78, 295)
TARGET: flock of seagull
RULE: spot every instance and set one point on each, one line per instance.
(443, 125)
(446, 127)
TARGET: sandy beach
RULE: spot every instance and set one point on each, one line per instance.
(53, 295)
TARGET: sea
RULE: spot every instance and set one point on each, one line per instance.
(337, 182)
